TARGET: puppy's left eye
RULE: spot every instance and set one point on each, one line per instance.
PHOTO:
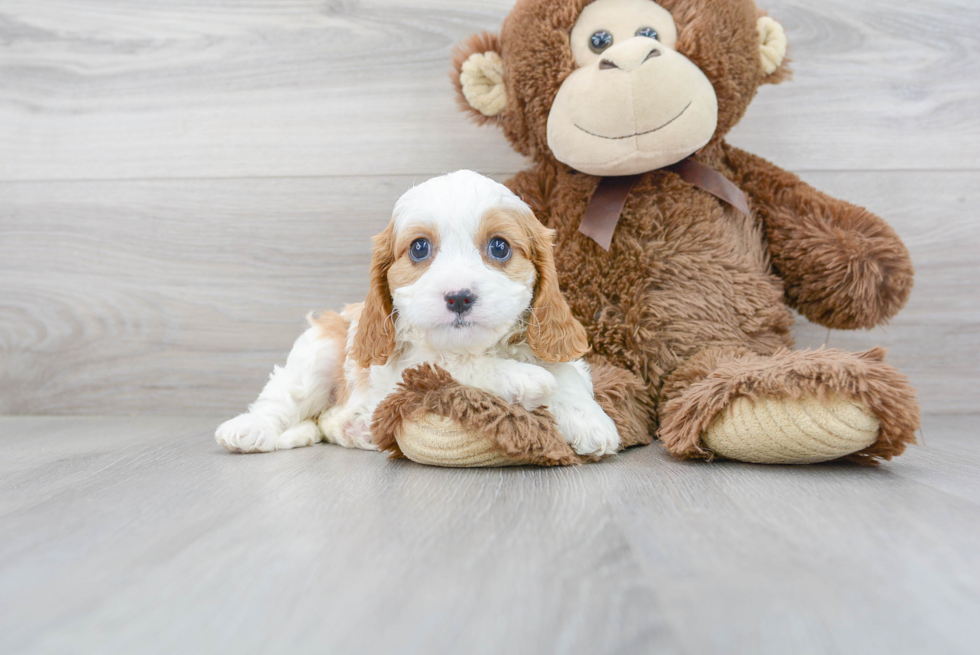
(420, 250)
(498, 249)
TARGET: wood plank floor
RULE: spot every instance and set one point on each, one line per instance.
(126, 535)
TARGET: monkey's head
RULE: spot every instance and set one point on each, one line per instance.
(619, 87)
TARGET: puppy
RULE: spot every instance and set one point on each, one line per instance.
(463, 277)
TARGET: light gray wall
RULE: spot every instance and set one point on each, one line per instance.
(180, 182)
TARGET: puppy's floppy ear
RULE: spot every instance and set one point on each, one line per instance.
(374, 341)
(478, 75)
(553, 333)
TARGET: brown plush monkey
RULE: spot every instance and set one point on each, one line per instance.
(680, 254)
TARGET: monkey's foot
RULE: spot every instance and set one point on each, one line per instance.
(794, 407)
(791, 431)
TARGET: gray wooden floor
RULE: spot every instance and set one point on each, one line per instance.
(140, 535)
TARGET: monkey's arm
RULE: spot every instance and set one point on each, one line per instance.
(844, 267)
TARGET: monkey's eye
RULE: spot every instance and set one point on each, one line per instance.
(648, 32)
(498, 249)
(420, 250)
(600, 41)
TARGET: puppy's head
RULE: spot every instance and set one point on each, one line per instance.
(463, 264)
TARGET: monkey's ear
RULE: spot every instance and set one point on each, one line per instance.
(772, 50)
(478, 74)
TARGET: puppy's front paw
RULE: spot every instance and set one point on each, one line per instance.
(357, 433)
(530, 387)
(247, 433)
(587, 429)
(347, 428)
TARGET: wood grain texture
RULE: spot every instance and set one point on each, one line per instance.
(109, 89)
(141, 535)
(179, 296)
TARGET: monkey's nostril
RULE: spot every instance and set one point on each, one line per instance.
(653, 53)
(605, 64)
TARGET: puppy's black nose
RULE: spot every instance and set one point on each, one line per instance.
(460, 301)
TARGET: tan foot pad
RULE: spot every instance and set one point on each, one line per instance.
(438, 441)
(787, 431)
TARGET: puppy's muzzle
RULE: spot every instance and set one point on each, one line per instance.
(460, 301)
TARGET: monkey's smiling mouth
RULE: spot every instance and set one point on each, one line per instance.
(630, 136)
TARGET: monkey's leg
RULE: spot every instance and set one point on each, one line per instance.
(795, 407)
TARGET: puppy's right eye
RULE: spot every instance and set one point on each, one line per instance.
(420, 250)
(499, 249)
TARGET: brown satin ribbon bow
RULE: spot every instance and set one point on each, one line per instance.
(600, 219)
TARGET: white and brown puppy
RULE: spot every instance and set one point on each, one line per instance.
(463, 277)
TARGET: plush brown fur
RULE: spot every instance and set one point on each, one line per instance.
(694, 298)
(842, 266)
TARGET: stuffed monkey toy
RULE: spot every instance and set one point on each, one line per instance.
(680, 254)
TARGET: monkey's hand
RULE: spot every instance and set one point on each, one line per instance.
(844, 267)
